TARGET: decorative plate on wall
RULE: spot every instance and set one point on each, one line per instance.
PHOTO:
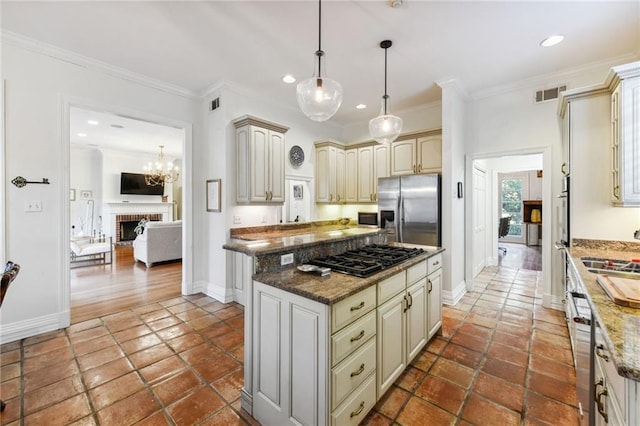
(296, 156)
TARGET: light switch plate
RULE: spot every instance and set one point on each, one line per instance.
(33, 206)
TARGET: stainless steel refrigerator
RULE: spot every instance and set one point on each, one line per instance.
(409, 208)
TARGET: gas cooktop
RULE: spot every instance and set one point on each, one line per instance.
(367, 260)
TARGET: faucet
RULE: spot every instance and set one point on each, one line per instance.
(636, 234)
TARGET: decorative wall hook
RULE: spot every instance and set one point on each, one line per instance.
(19, 181)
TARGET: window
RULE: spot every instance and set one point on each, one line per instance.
(511, 202)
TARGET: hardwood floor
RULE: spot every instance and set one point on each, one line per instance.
(101, 290)
(520, 256)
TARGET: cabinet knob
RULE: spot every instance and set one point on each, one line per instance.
(563, 168)
(616, 191)
(419, 168)
(598, 399)
(414, 168)
(338, 197)
(330, 197)
(600, 353)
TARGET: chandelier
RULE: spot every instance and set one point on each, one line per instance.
(319, 97)
(159, 173)
(386, 127)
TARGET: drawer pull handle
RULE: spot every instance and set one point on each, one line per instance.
(599, 395)
(410, 300)
(436, 263)
(358, 411)
(358, 337)
(359, 372)
(430, 286)
(602, 355)
(360, 306)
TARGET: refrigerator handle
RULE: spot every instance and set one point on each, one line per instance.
(400, 219)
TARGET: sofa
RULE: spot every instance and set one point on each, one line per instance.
(159, 242)
(89, 251)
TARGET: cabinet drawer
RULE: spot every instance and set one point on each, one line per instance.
(390, 287)
(416, 272)
(348, 375)
(434, 263)
(352, 308)
(614, 382)
(357, 405)
(352, 337)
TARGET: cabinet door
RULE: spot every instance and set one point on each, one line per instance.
(434, 310)
(429, 154)
(276, 167)
(615, 145)
(259, 169)
(630, 142)
(391, 342)
(403, 157)
(365, 174)
(323, 174)
(416, 318)
(565, 167)
(351, 176)
(340, 175)
(381, 166)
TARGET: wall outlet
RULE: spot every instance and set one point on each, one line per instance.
(264, 219)
(286, 259)
(236, 220)
(33, 206)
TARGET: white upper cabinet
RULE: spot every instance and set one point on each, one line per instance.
(260, 160)
(415, 156)
(625, 135)
(351, 176)
(365, 174)
(330, 172)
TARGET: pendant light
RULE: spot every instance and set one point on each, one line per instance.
(319, 97)
(385, 128)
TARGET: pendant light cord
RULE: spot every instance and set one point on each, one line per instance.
(385, 81)
(319, 53)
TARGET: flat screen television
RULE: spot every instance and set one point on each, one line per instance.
(133, 183)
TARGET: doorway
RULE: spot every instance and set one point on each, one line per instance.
(501, 182)
(101, 144)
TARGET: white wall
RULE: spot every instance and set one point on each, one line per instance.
(36, 87)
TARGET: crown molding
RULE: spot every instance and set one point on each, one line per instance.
(46, 49)
(544, 79)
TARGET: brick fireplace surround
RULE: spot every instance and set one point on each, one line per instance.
(132, 218)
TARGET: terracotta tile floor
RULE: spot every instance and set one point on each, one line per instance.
(502, 359)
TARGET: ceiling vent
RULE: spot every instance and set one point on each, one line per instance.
(549, 94)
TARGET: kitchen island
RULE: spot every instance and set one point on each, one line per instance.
(322, 350)
(617, 338)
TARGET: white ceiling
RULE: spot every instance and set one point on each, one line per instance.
(252, 44)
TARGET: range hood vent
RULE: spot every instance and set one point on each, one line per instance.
(549, 94)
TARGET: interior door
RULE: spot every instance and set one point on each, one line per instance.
(479, 219)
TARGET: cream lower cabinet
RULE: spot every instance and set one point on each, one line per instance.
(315, 364)
(434, 294)
(617, 399)
(402, 322)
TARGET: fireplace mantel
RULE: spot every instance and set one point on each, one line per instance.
(110, 210)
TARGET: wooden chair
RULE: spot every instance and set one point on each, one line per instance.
(10, 273)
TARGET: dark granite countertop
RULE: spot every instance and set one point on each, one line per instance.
(621, 325)
(281, 240)
(336, 286)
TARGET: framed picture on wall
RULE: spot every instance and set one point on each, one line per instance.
(214, 199)
(297, 192)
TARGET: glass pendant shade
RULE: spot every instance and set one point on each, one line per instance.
(385, 128)
(319, 97)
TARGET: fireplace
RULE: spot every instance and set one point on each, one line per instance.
(126, 223)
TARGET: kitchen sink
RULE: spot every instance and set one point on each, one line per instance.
(613, 267)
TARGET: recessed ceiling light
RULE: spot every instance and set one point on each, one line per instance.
(82, 135)
(93, 122)
(361, 106)
(552, 40)
(117, 126)
(289, 79)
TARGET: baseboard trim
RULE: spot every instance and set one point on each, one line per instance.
(219, 292)
(553, 302)
(246, 401)
(454, 296)
(32, 327)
